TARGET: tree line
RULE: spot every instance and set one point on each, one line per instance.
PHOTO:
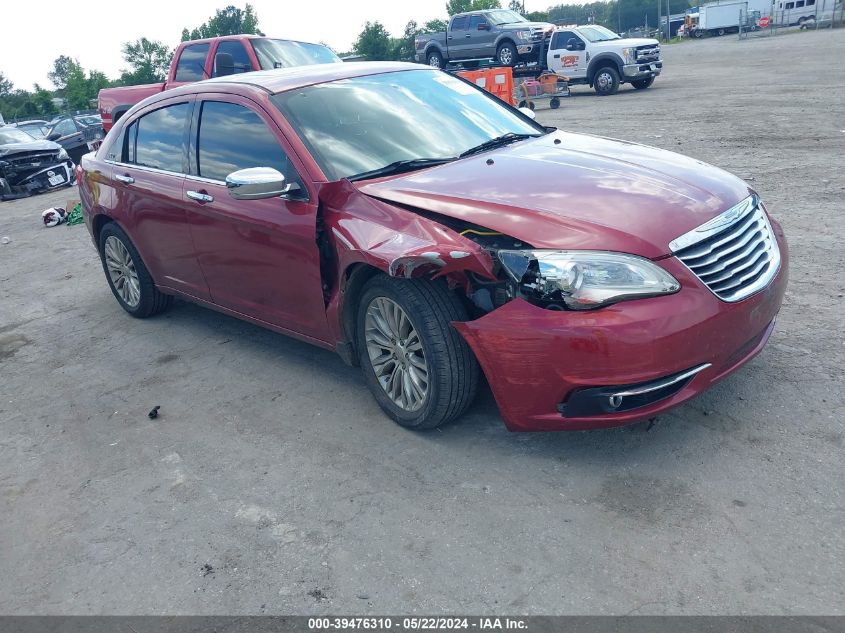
(147, 61)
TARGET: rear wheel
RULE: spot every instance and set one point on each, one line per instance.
(606, 81)
(435, 59)
(642, 84)
(420, 370)
(128, 277)
(506, 55)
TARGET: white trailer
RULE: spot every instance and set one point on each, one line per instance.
(723, 16)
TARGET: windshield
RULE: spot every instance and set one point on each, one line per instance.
(356, 125)
(36, 130)
(503, 16)
(9, 135)
(598, 33)
(284, 53)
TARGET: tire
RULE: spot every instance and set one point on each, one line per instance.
(506, 54)
(554, 103)
(606, 81)
(451, 370)
(642, 84)
(137, 293)
(435, 59)
(720, 32)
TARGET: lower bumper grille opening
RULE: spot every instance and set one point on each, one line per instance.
(621, 398)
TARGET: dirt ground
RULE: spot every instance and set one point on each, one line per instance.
(271, 482)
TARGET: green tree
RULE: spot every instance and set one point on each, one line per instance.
(434, 25)
(43, 100)
(61, 70)
(149, 62)
(374, 42)
(227, 21)
(77, 93)
(461, 6)
(6, 86)
(537, 16)
(404, 48)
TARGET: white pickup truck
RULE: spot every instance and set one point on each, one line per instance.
(598, 57)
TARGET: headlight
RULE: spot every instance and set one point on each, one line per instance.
(63, 154)
(630, 55)
(586, 279)
(524, 35)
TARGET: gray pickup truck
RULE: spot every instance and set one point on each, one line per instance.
(500, 34)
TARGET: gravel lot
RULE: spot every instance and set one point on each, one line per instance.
(271, 482)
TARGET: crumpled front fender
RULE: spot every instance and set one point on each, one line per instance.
(395, 240)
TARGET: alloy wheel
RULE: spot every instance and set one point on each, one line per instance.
(122, 272)
(396, 354)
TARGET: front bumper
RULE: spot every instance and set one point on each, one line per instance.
(539, 362)
(52, 177)
(642, 71)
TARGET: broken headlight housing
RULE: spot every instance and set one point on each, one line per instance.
(63, 155)
(582, 280)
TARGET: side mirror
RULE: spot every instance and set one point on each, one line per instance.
(55, 136)
(528, 112)
(256, 183)
(483, 26)
(223, 65)
(574, 44)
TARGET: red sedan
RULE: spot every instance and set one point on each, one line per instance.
(427, 232)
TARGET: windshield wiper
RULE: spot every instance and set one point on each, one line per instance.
(499, 141)
(400, 166)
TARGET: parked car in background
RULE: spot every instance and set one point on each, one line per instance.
(36, 128)
(426, 230)
(76, 138)
(500, 34)
(598, 57)
(29, 165)
(215, 57)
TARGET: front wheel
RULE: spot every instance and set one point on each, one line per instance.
(606, 81)
(419, 369)
(642, 84)
(554, 103)
(128, 277)
(506, 55)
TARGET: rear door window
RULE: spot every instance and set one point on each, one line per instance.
(239, 55)
(157, 139)
(191, 66)
(233, 137)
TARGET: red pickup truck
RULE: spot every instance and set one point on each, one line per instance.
(215, 57)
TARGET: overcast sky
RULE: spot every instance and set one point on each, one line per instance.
(93, 32)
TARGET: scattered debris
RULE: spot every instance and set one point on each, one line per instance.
(206, 570)
(651, 423)
(153, 414)
(6, 239)
(54, 216)
(75, 215)
(363, 596)
(318, 594)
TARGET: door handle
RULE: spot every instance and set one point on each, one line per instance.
(199, 197)
(557, 56)
(125, 179)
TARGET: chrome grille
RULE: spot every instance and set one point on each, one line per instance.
(735, 254)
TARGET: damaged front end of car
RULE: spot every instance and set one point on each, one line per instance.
(29, 170)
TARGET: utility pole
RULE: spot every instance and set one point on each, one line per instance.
(618, 15)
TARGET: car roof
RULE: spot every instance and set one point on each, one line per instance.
(284, 79)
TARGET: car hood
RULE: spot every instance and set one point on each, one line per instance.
(573, 191)
(30, 146)
(632, 41)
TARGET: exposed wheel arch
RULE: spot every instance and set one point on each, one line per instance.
(355, 277)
